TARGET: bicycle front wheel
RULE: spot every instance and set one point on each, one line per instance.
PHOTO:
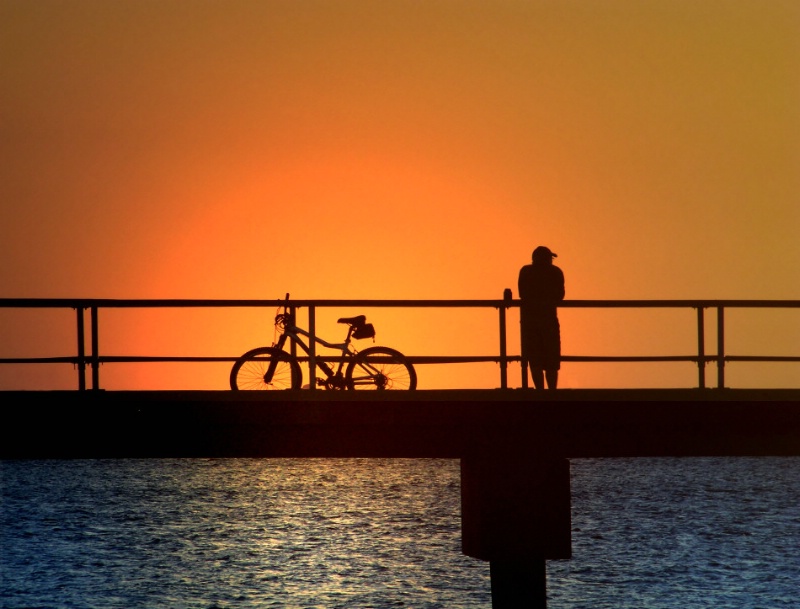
(380, 368)
(266, 368)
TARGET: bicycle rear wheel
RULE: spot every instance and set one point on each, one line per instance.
(380, 368)
(266, 368)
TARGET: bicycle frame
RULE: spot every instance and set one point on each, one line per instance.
(375, 367)
(294, 332)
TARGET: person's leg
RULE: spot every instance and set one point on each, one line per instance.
(552, 378)
(552, 359)
(538, 378)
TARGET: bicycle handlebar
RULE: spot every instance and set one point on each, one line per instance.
(285, 318)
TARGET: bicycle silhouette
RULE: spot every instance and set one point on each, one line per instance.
(270, 368)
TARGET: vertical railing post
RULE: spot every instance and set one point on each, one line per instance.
(292, 313)
(701, 347)
(523, 361)
(95, 350)
(312, 347)
(81, 351)
(503, 342)
(720, 347)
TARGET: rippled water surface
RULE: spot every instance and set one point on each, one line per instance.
(251, 533)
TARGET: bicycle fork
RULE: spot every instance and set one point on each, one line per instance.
(273, 361)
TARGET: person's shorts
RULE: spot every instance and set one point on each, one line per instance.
(541, 344)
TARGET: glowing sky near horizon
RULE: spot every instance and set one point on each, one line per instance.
(404, 149)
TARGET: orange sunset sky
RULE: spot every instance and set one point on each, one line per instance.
(400, 150)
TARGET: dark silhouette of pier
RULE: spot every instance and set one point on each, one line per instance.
(514, 444)
(519, 423)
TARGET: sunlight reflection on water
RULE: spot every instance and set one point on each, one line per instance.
(267, 533)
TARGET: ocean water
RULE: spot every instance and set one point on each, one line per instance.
(362, 533)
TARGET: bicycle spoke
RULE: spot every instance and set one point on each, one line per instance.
(267, 369)
(381, 368)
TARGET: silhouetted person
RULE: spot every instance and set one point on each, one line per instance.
(541, 288)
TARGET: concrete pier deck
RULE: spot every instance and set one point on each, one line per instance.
(419, 424)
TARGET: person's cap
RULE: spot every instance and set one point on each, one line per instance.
(543, 252)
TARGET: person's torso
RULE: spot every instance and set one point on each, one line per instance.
(541, 286)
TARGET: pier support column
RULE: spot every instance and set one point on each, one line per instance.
(519, 584)
(515, 513)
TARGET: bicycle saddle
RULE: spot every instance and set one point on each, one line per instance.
(358, 320)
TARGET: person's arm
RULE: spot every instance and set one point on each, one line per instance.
(523, 286)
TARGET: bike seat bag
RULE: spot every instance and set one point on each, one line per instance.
(364, 331)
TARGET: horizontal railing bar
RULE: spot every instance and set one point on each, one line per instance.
(119, 359)
(416, 359)
(132, 359)
(630, 358)
(40, 360)
(168, 303)
(454, 359)
(426, 359)
(762, 358)
(706, 304)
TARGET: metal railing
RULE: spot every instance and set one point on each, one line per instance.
(94, 359)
